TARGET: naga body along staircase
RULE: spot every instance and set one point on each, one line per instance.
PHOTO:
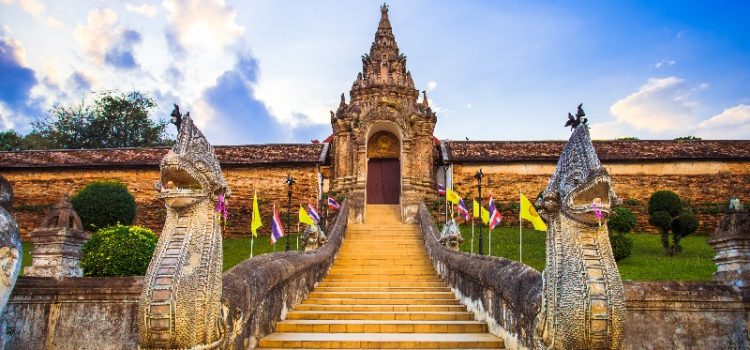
(381, 293)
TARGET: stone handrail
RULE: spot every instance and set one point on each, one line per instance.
(258, 292)
(504, 293)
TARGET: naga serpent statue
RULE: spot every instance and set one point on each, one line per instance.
(10, 245)
(583, 304)
(181, 301)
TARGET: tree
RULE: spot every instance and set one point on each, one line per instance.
(667, 212)
(688, 138)
(11, 141)
(104, 203)
(113, 119)
(118, 251)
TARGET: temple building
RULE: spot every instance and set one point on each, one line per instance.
(382, 150)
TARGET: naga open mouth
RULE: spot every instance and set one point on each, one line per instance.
(591, 202)
(179, 187)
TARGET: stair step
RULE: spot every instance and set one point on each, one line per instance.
(383, 289)
(381, 341)
(381, 295)
(352, 301)
(382, 308)
(369, 326)
(377, 315)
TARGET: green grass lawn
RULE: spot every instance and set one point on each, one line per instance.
(647, 262)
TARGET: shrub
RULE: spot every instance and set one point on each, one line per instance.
(621, 246)
(622, 220)
(668, 213)
(118, 251)
(104, 203)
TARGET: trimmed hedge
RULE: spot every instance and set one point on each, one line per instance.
(104, 203)
(622, 246)
(118, 251)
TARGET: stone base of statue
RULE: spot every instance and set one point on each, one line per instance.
(731, 241)
(57, 252)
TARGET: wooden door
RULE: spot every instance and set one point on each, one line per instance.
(383, 181)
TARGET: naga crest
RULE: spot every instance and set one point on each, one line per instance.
(190, 171)
(580, 184)
(10, 245)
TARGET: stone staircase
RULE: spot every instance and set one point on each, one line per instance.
(381, 293)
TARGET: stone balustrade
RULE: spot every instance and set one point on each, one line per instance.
(260, 291)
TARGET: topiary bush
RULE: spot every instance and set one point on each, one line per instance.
(621, 221)
(668, 213)
(118, 251)
(104, 203)
(621, 246)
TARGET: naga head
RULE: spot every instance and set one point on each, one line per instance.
(190, 172)
(580, 188)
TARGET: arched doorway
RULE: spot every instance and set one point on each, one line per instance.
(383, 169)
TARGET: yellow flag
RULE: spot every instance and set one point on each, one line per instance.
(255, 223)
(452, 196)
(529, 213)
(304, 217)
(476, 209)
(485, 215)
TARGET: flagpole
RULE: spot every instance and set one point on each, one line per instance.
(489, 249)
(472, 232)
(520, 230)
(252, 240)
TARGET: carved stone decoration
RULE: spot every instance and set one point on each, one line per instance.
(10, 245)
(383, 145)
(313, 238)
(181, 302)
(383, 98)
(583, 303)
(731, 241)
(58, 243)
(450, 236)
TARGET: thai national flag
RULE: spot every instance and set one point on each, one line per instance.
(313, 214)
(461, 206)
(495, 216)
(333, 204)
(277, 229)
(441, 190)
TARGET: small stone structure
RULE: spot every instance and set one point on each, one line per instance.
(313, 238)
(450, 236)
(58, 244)
(731, 240)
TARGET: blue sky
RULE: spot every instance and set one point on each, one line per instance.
(269, 71)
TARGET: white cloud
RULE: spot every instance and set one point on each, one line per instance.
(661, 106)
(207, 24)
(469, 106)
(98, 33)
(431, 85)
(6, 117)
(663, 63)
(54, 22)
(733, 122)
(19, 53)
(144, 9)
(33, 7)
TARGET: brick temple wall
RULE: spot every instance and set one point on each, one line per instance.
(706, 184)
(36, 189)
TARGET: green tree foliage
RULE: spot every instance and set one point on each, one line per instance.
(667, 212)
(113, 119)
(621, 221)
(118, 251)
(104, 203)
(11, 141)
(627, 138)
(688, 138)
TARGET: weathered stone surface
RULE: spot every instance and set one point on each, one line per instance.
(72, 314)
(38, 189)
(685, 315)
(258, 292)
(731, 241)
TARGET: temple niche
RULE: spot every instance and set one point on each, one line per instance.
(383, 112)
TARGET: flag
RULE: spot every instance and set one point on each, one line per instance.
(529, 213)
(485, 215)
(441, 190)
(452, 196)
(313, 213)
(495, 216)
(255, 223)
(476, 209)
(304, 217)
(333, 204)
(461, 207)
(277, 229)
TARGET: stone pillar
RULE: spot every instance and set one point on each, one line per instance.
(58, 244)
(731, 241)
